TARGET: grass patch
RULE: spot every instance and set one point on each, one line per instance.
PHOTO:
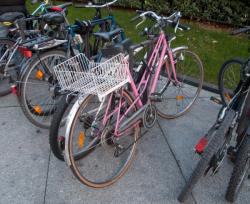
(213, 46)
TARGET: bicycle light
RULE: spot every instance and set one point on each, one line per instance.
(25, 52)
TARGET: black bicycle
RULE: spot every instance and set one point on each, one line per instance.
(228, 136)
(229, 75)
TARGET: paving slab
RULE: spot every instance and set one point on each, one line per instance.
(183, 134)
(9, 101)
(23, 159)
(154, 177)
(31, 174)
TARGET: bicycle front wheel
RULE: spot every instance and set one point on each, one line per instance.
(229, 78)
(111, 156)
(177, 97)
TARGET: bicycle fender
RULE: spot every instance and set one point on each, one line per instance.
(179, 48)
(69, 122)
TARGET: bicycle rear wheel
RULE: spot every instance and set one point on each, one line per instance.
(107, 162)
(229, 78)
(39, 91)
(217, 140)
(178, 98)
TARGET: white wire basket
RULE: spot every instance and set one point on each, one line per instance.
(78, 74)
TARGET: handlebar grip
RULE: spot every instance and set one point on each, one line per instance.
(140, 11)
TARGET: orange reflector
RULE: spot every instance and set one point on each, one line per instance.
(38, 109)
(179, 98)
(81, 140)
(39, 74)
(228, 97)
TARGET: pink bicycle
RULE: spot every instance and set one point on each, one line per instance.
(105, 123)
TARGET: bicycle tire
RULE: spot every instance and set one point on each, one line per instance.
(200, 71)
(244, 118)
(119, 173)
(62, 106)
(217, 140)
(37, 119)
(239, 172)
(237, 62)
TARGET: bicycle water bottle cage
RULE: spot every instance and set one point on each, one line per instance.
(53, 18)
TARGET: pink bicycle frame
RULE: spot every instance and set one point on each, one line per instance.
(161, 47)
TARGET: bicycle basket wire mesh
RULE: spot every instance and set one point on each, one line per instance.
(78, 74)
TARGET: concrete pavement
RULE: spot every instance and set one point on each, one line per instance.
(30, 174)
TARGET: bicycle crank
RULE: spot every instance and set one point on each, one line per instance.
(149, 116)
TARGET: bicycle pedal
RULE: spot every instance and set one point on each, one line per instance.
(155, 97)
(216, 100)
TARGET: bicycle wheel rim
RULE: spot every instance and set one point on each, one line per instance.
(38, 89)
(177, 99)
(229, 78)
(98, 162)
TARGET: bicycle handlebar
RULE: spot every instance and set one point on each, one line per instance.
(90, 5)
(162, 21)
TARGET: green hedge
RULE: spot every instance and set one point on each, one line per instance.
(234, 12)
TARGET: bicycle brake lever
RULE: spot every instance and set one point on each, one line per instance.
(177, 25)
(143, 20)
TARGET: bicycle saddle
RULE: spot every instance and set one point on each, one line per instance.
(11, 16)
(59, 8)
(53, 18)
(107, 36)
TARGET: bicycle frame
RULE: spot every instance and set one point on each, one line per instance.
(40, 8)
(162, 48)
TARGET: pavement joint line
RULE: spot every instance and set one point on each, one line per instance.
(175, 158)
(17, 106)
(47, 176)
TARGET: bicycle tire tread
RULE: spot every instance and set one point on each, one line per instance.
(211, 148)
(231, 194)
